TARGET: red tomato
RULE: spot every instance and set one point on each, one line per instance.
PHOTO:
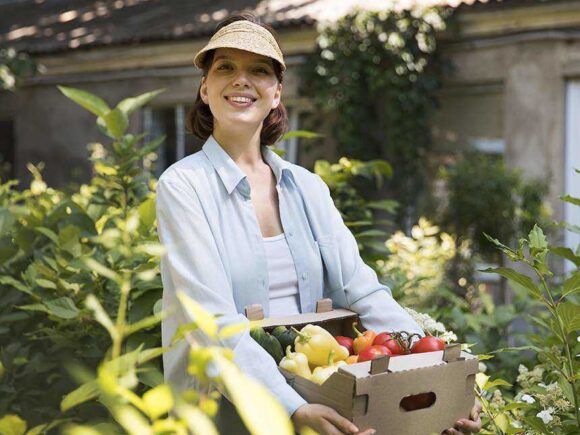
(346, 342)
(373, 352)
(382, 338)
(428, 344)
(386, 339)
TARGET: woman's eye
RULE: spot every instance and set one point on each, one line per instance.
(223, 66)
(262, 70)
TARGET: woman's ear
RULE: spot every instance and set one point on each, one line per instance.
(203, 91)
(277, 96)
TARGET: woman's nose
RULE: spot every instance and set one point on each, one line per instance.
(241, 79)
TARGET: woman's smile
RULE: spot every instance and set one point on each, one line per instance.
(238, 100)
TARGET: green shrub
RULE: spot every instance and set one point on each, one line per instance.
(81, 292)
(546, 396)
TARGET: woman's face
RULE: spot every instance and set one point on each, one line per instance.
(241, 88)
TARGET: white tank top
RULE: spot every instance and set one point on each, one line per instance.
(284, 297)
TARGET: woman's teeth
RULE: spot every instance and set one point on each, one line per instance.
(240, 99)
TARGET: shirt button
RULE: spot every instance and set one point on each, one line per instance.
(304, 275)
(290, 233)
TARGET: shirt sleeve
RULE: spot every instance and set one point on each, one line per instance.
(193, 265)
(362, 292)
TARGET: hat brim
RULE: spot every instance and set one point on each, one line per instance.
(241, 41)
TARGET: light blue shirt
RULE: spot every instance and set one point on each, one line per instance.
(215, 254)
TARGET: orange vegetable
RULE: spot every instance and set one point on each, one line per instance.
(352, 359)
(362, 340)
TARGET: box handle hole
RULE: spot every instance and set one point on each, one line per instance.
(417, 401)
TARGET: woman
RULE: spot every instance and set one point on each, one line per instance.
(242, 226)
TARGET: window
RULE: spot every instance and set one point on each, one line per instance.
(170, 121)
(572, 162)
(472, 116)
(7, 145)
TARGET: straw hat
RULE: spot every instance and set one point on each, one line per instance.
(243, 35)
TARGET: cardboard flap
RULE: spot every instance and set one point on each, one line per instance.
(402, 363)
(254, 312)
(303, 319)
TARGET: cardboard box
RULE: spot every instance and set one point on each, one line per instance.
(371, 394)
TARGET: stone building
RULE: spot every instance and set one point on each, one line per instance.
(515, 89)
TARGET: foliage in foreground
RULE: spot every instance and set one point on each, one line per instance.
(81, 295)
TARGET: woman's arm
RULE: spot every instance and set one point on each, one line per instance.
(193, 265)
(363, 293)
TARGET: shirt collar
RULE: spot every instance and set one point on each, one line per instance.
(230, 173)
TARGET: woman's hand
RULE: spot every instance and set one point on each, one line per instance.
(473, 425)
(325, 421)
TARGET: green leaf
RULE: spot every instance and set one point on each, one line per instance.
(84, 393)
(93, 304)
(8, 280)
(386, 204)
(566, 253)
(571, 285)
(371, 233)
(199, 315)
(158, 401)
(147, 213)
(48, 233)
(263, 411)
(569, 312)
(145, 323)
(86, 100)
(45, 283)
(129, 105)
(301, 134)
(63, 307)
(116, 122)
(571, 200)
(6, 220)
(101, 270)
(517, 277)
(34, 307)
(537, 239)
(498, 383)
(12, 425)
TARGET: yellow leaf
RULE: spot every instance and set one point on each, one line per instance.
(199, 315)
(12, 425)
(481, 380)
(158, 401)
(197, 422)
(502, 422)
(132, 421)
(263, 412)
(231, 330)
(105, 170)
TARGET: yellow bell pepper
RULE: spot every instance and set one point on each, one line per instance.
(317, 343)
(296, 362)
(322, 373)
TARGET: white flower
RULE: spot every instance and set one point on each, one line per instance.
(546, 415)
(551, 387)
(528, 399)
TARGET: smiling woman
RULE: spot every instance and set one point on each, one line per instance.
(240, 79)
(242, 226)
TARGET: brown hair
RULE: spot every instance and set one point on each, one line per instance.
(199, 120)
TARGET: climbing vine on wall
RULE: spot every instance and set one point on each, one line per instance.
(377, 70)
